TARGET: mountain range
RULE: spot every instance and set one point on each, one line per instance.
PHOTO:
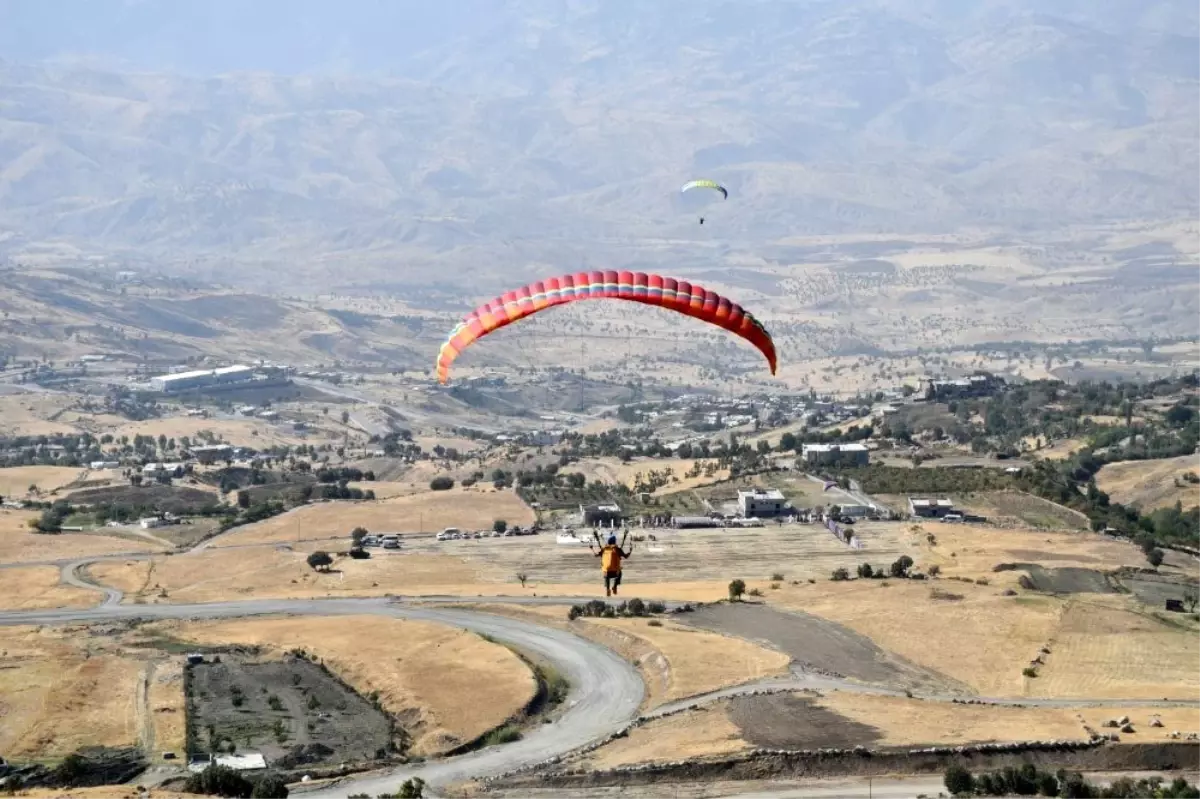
(312, 146)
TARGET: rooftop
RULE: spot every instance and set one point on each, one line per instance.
(927, 503)
(224, 370)
(762, 493)
(855, 447)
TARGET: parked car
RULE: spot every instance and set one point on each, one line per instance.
(371, 541)
(391, 542)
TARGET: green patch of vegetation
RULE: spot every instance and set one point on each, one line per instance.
(502, 735)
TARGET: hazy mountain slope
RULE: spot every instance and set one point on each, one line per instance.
(536, 134)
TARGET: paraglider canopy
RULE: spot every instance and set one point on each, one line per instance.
(705, 184)
(680, 296)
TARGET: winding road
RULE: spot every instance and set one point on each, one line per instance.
(606, 690)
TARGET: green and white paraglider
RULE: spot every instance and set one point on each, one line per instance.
(705, 184)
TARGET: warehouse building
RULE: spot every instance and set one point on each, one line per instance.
(202, 378)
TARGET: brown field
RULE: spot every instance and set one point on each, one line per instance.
(16, 480)
(55, 699)
(266, 572)
(1151, 484)
(699, 733)
(1103, 649)
(459, 685)
(164, 702)
(35, 587)
(30, 415)
(983, 640)
(908, 722)
(697, 662)
(19, 544)
(467, 509)
(611, 470)
(1057, 450)
(239, 432)
(969, 550)
(385, 489)
(1016, 508)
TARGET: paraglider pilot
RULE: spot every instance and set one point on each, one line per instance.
(611, 556)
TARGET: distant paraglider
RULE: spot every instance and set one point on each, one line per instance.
(705, 184)
(665, 292)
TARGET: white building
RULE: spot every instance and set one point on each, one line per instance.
(97, 465)
(763, 502)
(150, 522)
(827, 454)
(201, 378)
(930, 507)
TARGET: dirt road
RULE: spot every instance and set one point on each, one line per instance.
(605, 690)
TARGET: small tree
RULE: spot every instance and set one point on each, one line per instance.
(217, 780)
(959, 781)
(345, 417)
(901, 566)
(499, 525)
(441, 483)
(736, 589)
(840, 574)
(865, 571)
(522, 577)
(1155, 557)
(243, 499)
(1190, 598)
(320, 560)
(270, 786)
(358, 534)
(934, 570)
(412, 788)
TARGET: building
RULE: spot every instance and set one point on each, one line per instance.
(763, 503)
(856, 511)
(977, 385)
(150, 522)
(202, 378)
(930, 508)
(212, 453)
(604, 515)
(835, 454)
(694, 522)
(247, 761)
(98, 465)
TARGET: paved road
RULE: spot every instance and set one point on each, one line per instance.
(605, 689)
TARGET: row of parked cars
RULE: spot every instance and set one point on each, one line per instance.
(455, 534)
(385, 541)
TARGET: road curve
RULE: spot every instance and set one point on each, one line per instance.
(71, 574)
(605, 689)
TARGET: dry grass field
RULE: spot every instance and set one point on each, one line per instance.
(1151, 484)
(165, 725)
(969, 550)
(907, 722)
(611, 470)
(16, 481)
(700, 733)
(1102, 648)
(983, 639)
(467, 509)
(220, 574)
(19, 544)
(36, 587)
(55, 698)
(696, 662)
(33, 414)
(255, 433)
(458, 685)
